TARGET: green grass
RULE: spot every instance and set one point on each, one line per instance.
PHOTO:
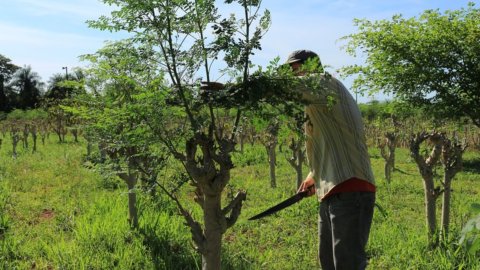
(57, 214)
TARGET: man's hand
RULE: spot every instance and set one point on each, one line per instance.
(308, 184)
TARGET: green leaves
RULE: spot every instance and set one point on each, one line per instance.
(430, 60)
(470, 235)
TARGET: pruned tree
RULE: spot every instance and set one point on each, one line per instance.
(296, 124)
(450, 155)
(33, 131)
(426, 168)
(269, 139)
(43, 129)
(58, 119)
(452, 162)
(15, 137)
(26, 133)
(181, 114)
(110, 118)
(297, 159)
(389, 154)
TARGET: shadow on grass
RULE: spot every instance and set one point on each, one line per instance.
(170, 254)
(401, 171)
(166, 253)
(472, 165)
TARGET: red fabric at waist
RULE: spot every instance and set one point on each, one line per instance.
(351, 185)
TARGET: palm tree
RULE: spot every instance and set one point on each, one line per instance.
(59, 87)
(6, 71)
(28, 85)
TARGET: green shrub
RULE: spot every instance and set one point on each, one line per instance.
(470, 235)
(250, 156)
(4, 202)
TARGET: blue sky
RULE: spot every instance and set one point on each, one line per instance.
(51, 34)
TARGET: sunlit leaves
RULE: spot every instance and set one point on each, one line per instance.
(430, 60)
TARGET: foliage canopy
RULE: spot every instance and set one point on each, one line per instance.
(432, 60)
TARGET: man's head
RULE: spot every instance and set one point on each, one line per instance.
(299, 57)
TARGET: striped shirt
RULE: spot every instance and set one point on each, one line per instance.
(335, 138)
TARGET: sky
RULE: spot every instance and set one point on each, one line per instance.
(49, 35)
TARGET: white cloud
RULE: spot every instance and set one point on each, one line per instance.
(46, 51)
(78, 8)
(14, 35)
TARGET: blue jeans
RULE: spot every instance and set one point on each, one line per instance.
(344, 226)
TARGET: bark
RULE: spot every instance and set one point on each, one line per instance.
(242, 142)
(452, 160)
(59, 129)
(64, 132)
(389, 156)
(25, 136)
(297, 159)
(131, 180)
(426, 167)
(214, 228)
(270, 141)
(430, 209)
(446, 207)
(132, 206)
(15, 140)
(272, 161)
(59, 134)
(210, 173)
(34, 138)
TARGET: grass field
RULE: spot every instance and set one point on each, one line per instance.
(55, 213)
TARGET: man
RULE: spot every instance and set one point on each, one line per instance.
(339, 165)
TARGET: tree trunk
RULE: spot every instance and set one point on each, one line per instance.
(446, 206)
(59, 133)
(390, 144)
(25, 137)
(272, 160)
(430, 209)
(75, 134)
(211, 258)
(452, 161)
(391, 148)
(426, 167)
(132, 203)
(34, 138)
(297, 158)
(242, 142)
(388, 171)
(298, 168)
(15, 140)
(131, 180)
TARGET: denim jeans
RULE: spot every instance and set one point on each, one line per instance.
(344, 226)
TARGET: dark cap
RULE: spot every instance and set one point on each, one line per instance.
(301, 56)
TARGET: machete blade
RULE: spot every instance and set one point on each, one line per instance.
(286, 203)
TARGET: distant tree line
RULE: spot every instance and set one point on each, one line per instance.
(22, 88)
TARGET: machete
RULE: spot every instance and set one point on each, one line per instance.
(294, 199)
